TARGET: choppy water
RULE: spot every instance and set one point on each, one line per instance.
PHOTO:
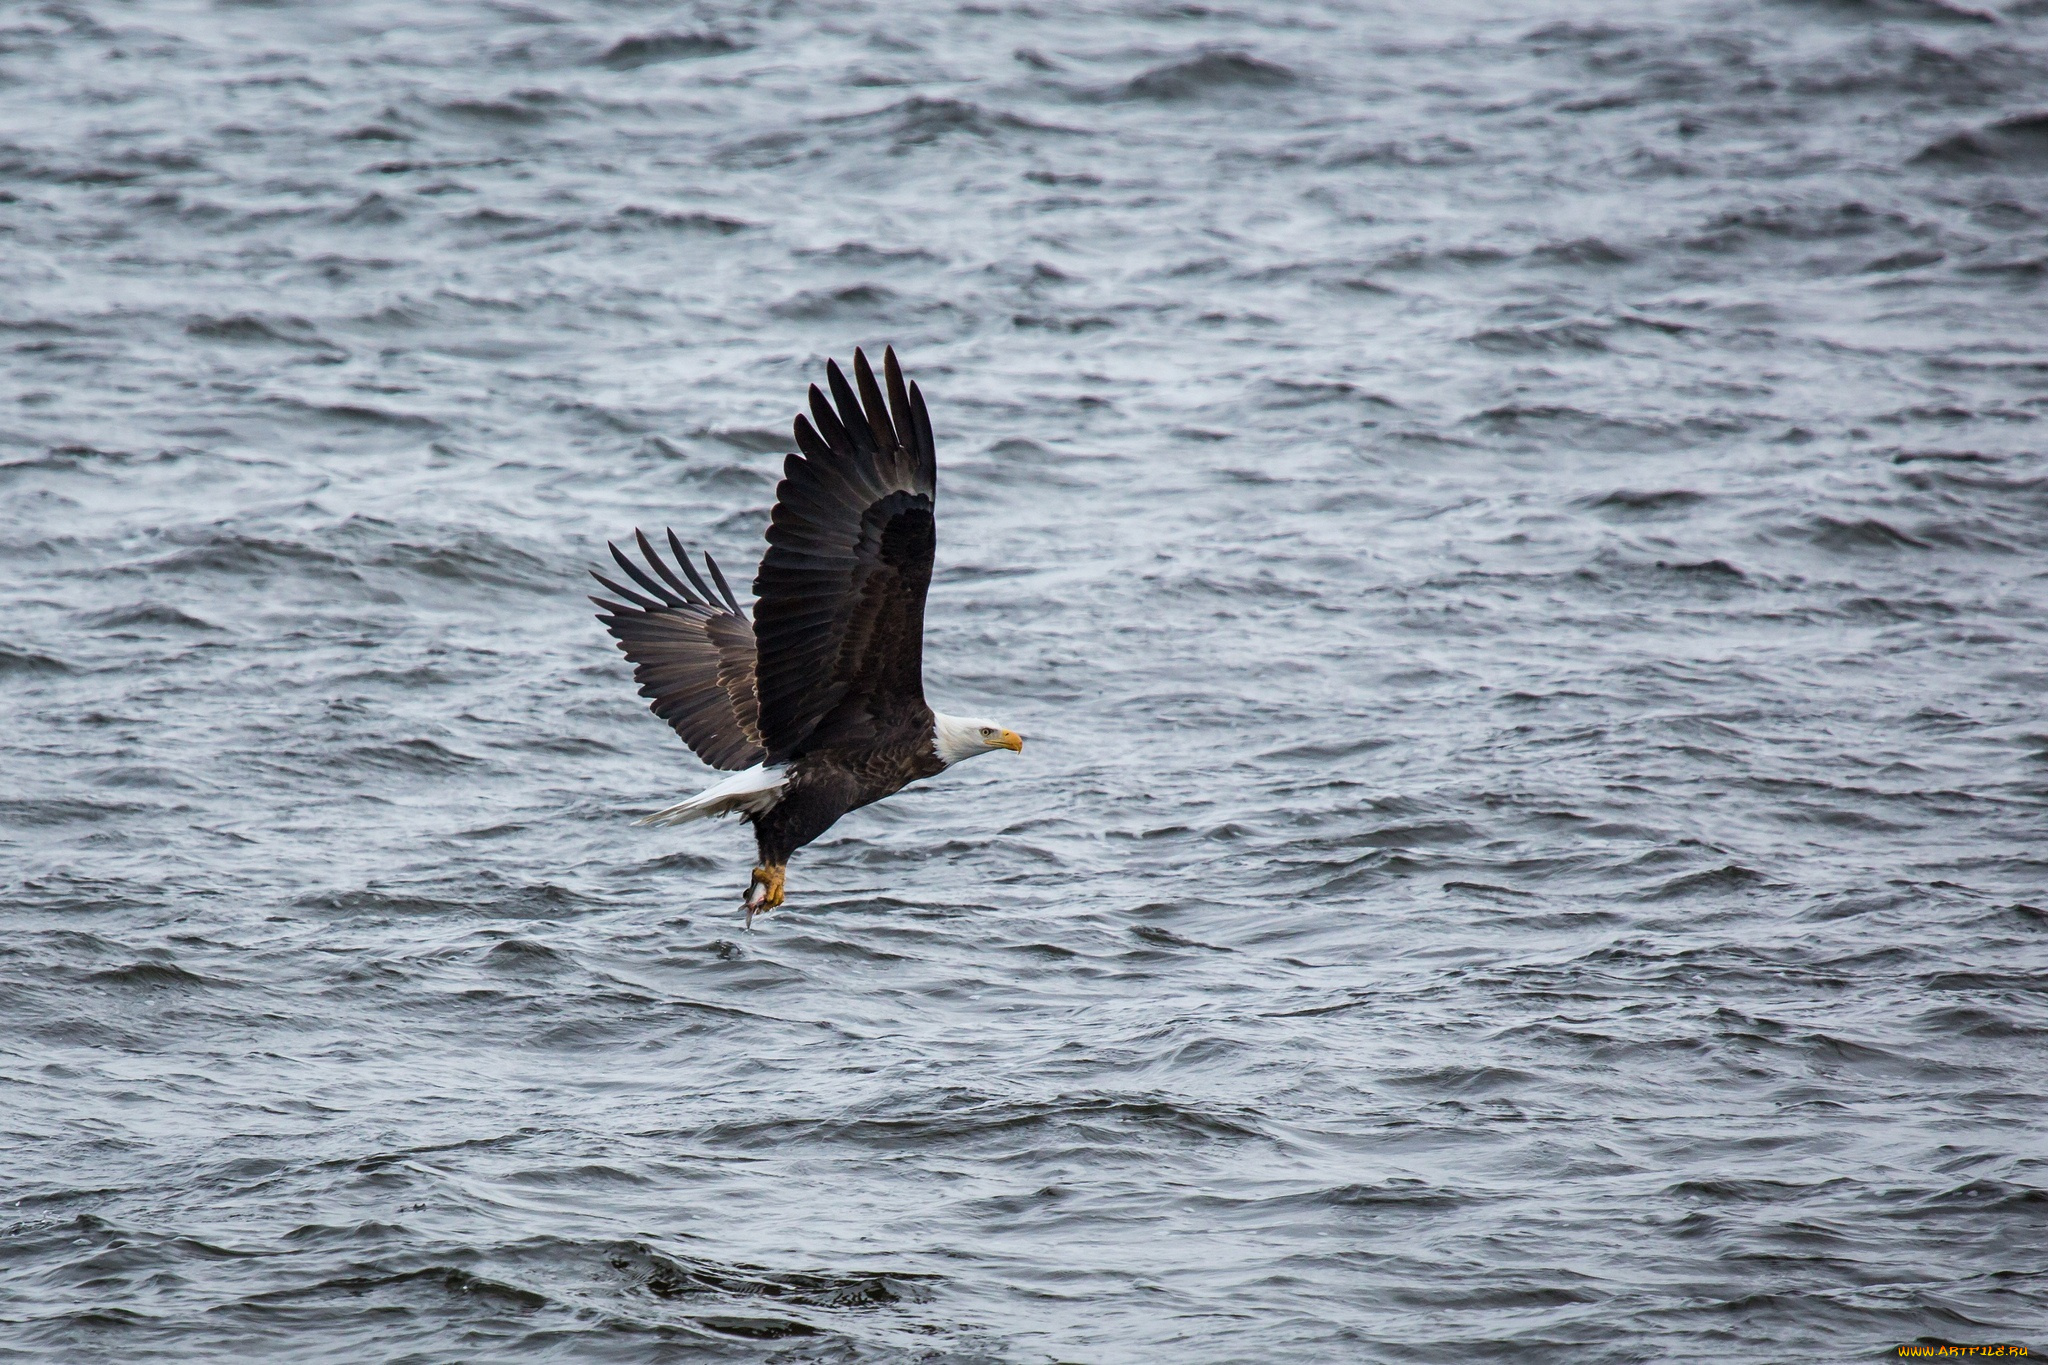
(1520, 532)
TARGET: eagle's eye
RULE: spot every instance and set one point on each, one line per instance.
(987, 733)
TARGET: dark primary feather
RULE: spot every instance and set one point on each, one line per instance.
(839, 599)
(692, 654)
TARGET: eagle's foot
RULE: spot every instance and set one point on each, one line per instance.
(765, 891)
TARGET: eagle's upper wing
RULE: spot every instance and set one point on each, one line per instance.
(692, 654)
(839, 600)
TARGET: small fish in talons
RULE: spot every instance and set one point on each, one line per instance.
(764, 893)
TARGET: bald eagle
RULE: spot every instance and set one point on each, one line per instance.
(817, 706)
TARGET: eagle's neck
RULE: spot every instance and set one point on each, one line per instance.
(955, 738)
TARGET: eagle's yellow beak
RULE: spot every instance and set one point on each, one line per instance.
(1011, 740)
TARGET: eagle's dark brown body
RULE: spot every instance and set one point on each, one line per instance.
(822, 693)
(825, 784)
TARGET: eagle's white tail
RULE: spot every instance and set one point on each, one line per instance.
(753, 791)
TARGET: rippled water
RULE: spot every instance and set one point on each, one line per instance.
(1519, 531)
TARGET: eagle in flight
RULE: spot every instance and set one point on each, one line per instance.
(817, 705)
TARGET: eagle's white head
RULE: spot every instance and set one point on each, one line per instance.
(959, 737)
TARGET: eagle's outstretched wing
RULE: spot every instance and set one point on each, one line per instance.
(693, 654)
(839, 600)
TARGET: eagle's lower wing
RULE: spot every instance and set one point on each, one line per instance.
(692, 654)
(839, 600)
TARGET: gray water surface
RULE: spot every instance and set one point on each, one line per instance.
(1517, 530)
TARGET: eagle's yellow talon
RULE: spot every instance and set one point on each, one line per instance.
(765, 891)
